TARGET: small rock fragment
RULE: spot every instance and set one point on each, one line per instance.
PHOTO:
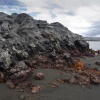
(13, 70)
(97, 63)
(10, 84)
(54, 84)
(36, 89)
(59, 80)
(72, 80)
(39, 76)
(22, 97)
(95, 80)
(1, 77)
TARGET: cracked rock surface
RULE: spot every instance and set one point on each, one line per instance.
(21, 37)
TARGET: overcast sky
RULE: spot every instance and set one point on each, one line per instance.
(80, 16)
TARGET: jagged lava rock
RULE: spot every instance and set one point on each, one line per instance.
(21, 37)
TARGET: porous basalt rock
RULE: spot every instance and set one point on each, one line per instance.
(18, 73)
(21, 37)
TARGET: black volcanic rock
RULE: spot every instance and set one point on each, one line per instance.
(21, 37)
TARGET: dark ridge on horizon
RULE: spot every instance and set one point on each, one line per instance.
(92, 38)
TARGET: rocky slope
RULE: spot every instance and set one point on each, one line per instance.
(22, 37)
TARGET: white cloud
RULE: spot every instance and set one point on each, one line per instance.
(76, 24)
(11, 9)
(77, 15)
(85, 12)
(89, 13)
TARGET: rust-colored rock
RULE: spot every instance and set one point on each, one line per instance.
(95, 80)
(60, 81)
(39, 76)
(24, 85)
(54, 84)
(78, 65)
(10, 84)
(72, 80)
(36, 89)
(1, 77)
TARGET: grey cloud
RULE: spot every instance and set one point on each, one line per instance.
(94, 30)
(53, 6)
(53, 15)
(63, 11)
(70, 13)
(74, 4)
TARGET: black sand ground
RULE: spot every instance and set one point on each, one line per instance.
(63, 92)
